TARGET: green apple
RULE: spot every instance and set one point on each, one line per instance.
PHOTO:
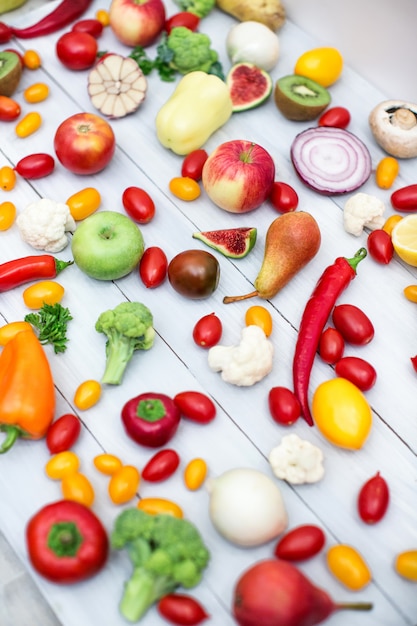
(107, 245)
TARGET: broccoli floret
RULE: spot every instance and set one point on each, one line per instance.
(166, 552)
(191, 51)
(128, 327)
(201, 8)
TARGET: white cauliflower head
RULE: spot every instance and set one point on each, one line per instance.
(297, 461)
(44, 225)
(248, 362)
(363, 211)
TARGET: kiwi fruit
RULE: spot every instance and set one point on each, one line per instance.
(10, 72)
(299, 98)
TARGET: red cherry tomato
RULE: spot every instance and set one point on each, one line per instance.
(380, 246)
(195, 406)
(300, 543)
(35, 165)
(91, 26)
(192, 166)
(138, 204)
(284, 406)
(77, 50)
(161, 466)
(181, 609)
(9, 109)
(373, 499)
(184, 18)
(353, 324)
(153, 267)
(63, 433)
(283, 197)
(6, 33)
(405, 199)
(357, 370)
(331, 345)
(336, 117)
(207, 331)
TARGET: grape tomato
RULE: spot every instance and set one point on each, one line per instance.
(405, 565)
(38, 92)
(161, 465)
(184, 188)
(195, 474)
(259, 316)
(410, 293)
(373, 499)
(386, 172)
(107, 464)
(331, 345)
(283, 197)
(35, 165)
(8, 213)
(31, 60)
(158, 506)
(91, 26)
(336, 117)
(123, 484)
(84, 203)
(9, 109)
(183, 18)
(348, 566)
(192, 165)
(380, 246)
(181, 609)
(77, 487)
(353, 324)
(153, 267)
(138, 204)
(300, 543)
(284, 406)
(405, 198)
(207, 331)
(87, 394)
(28, 125)
(77, 50)
(357, 370)
(63, 433)
(195, 406)
(7, 178)
(62, 464)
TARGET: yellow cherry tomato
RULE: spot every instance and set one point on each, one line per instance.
(348, 566)
(62, 464)
(156, 506)
(7, 215)
(195, 474)
(87, 394)
(323, 65)
(84, 203)
(28, 124)
(259, 316)
(386, 172)
(103, 17)
(406, 565)
(341, 413)
(7, 178)
(124, 484)
(184, 188)
(107, 464)
(43, 292)
(410, 293)
(8, 331)
(77, 487)
(390, 222)
(31, 60)
(38, 92)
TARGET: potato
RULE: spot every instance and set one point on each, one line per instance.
(268, 12)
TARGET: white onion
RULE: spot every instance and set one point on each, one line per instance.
(253, 42)
(331, 160)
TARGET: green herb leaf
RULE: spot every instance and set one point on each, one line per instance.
(51, 322)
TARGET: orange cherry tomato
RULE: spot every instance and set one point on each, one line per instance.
(8, 331)
(31, 60)
(38, 92)
(185, 188)
(406, 565)
(107, 464)
(195, 474)
(7, 178)
(259, 316)
(9, 109)
(124, 484)
(87, 394)
(43, 292)
(62, 464)
(391, 222)
(103, 16)
(156, 506)
(78, 488)
(84, 203)
(386, 172)
(348, 566)
(7, 215)
(410, 293)
(28, 124)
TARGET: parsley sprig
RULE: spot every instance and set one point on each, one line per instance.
(51, 321)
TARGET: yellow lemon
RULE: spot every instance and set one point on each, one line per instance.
(342, 413)
(404, 239)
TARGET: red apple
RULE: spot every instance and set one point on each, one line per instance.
(238, 176)
(84, 143)
(137, 22)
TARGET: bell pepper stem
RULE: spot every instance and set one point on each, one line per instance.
(12, 434)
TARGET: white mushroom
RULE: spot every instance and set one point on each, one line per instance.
(394, 126)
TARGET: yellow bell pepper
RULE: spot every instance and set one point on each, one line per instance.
(199, 106)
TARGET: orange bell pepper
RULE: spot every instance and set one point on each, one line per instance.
(27, 392)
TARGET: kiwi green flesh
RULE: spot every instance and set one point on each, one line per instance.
(299, 98)
(10, 73)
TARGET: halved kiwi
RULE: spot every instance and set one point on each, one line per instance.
(299, 98)
(10, 72)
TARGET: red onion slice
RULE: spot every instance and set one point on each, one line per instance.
(331, 160)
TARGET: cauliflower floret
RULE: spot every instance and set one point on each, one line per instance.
(248, 362)
(363, 211)
(297, 461)
(44, 225)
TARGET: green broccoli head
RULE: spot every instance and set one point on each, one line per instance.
(191, 51)
(166, 552)
(128, 327)
(201, 8)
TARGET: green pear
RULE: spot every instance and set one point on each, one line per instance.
(10, 5)
(292, 240)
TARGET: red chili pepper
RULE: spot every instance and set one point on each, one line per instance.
(20, 271)
(330, 285)
(62, 15)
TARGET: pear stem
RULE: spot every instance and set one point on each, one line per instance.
(229, 299)
(354, 606)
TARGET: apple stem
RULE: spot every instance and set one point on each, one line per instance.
(229, 299)
(354, 606)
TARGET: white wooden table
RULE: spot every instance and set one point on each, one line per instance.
(243, 432)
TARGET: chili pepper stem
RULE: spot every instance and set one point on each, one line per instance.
(12, 434)
(354, 606)
(61, 265)
(229, 299)
(359, 256)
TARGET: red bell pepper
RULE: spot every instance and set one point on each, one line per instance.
(151, 419)
(66, 542)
